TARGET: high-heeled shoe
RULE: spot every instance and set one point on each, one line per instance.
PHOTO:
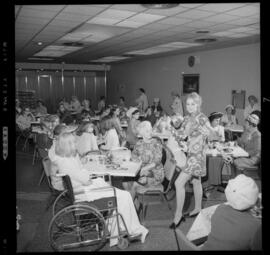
(174, 226)
(187, 215)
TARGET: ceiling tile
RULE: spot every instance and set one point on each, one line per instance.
(244, 21)
(220, 7)
(221, 27)
(167, 12)
(222, 18)
(52, 8)
(37, 13)
(191, 5)
(200, 24)
(128, 7)
(31, 20)
(174, 21)
(103, 21)
(195, 14)
(245, 11)
(145, 18)
(72, 17)
(89, 10)
(181, 28)
(116, 14)
(129, 23)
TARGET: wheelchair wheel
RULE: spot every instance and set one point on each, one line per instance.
(60, 202)
(77, 228)
(122, 243)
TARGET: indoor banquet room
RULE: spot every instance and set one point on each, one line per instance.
(155, 104)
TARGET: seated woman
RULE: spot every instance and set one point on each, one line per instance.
(150, 116)
(108, 130)
(114, 114)
(41, 108)
(85, 138)
(133, 114)
(218, 131)
(64, 115)
(149, 151)
(156, 107)
(68, 163)
(86, 108)
(24, 119)
(229, 119)
(233, 226)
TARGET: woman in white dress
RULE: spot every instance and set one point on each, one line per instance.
(68, 162)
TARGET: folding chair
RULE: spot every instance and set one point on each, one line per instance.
(183, 243)
(162, 190)
(26, 134)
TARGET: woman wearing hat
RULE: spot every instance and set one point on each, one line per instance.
(229, 119)
(233, 226)
(250, 141)
(218, 134)
(41, 108)
(142, 101)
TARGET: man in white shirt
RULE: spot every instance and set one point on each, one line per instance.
(142, 101)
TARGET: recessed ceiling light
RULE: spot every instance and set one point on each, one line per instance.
(39, 43)
(202, 32)
(205, 40)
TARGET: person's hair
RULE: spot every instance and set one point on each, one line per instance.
(84, 127)
(196, 98)
(122, 98)
(40, 101)
(106, 124)
(214, 115)
(253, 98)
(258, 113)
(102, 98)
(233, 109)
(65, 145)
(136, 111)
(142, 90)
(143, 126)
(86, 101)
(59, 129)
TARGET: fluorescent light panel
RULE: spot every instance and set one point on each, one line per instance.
(56, 50)
(109, 59)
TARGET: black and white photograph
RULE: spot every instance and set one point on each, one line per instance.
(137, 127)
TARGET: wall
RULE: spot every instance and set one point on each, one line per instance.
(221, 71)
(51, 88)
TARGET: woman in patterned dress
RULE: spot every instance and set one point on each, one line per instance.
(149, 151)
(194, 129)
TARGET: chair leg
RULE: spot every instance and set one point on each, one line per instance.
(25, 143)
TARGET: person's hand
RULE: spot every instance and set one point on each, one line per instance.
(227, 159)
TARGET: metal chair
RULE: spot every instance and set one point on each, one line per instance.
(162, 190)
(22, 134)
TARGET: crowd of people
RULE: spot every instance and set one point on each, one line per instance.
(75, 130)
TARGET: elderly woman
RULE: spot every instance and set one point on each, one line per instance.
(176, 105)
(68, 163)
(24, 119)
(218, 134)
(195, 129)
(86, 108)
(149, 151)
(229, 119)
(233, 226)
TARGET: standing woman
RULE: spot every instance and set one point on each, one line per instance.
(195, 128)
(142, 101)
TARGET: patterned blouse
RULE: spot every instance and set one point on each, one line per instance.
(195, 130)
(150, 153)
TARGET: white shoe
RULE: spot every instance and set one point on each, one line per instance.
(144, 234)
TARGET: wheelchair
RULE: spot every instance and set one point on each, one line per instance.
(84, 225)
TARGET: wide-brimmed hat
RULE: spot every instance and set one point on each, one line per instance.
(253, 118)
(215, 115)
(242, 192)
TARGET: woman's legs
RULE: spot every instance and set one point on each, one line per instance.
(198, 192)
(180, 195)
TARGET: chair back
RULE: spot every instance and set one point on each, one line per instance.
(46, 162)
(68, 186)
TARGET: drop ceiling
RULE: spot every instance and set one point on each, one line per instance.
(84, 34)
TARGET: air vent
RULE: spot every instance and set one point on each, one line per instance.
(77, 44)
(205, 40)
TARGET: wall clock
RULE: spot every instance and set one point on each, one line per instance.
(191, 61)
